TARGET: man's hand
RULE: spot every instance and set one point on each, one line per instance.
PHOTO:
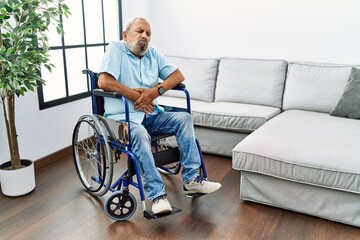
(145, 101)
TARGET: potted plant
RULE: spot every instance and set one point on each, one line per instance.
(24, 48)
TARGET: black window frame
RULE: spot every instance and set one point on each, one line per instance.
(70, 98)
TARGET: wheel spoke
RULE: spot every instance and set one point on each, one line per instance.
(91, 155)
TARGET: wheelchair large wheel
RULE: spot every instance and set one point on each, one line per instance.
(120, 206)
(92, 155)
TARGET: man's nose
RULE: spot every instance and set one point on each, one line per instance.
(144, 35)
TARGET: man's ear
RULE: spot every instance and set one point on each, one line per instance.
(124, 34)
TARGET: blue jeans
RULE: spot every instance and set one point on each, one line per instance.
(178, 123)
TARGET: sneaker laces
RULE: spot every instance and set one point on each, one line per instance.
(200, 179)
(157, 199)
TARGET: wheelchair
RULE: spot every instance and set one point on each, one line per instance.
(99, 142)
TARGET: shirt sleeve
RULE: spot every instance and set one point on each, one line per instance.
(112, 60)
(165, 66)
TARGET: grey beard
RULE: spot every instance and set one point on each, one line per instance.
(140, 51)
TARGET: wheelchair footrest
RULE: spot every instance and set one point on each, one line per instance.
(194, 195)
(150, 215)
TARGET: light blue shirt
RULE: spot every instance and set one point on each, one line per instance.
(133, 72)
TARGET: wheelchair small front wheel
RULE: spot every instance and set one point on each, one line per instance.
(92, 155)
(120, 206)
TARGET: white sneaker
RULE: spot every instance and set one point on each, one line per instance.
(201, 185)
(161, 205)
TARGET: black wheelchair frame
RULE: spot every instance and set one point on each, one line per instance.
(96, 148)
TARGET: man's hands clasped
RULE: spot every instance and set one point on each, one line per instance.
(145, 101)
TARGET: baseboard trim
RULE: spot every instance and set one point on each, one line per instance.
(53, 157)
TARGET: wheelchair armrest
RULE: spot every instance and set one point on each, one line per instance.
(102, 93)
(180, 86)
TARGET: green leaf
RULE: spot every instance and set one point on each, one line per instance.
(10, 51)
(8, 9)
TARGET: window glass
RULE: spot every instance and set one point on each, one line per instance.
(53, 36)
(95, 55)
(55, 84)
(75, 61)
(94, 24)
(73, 25)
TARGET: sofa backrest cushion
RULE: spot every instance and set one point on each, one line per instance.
(200, 77)
(251, 81)
(314, 86)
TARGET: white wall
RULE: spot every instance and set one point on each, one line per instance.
(135, 8)
(41, 133)
(309, 30)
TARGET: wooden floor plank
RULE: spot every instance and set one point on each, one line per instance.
(59, 208)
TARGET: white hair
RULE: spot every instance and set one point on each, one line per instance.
(130, 22)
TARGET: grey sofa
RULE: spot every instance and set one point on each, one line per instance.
(230, 98)
(273, 118)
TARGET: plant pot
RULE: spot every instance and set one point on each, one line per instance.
(17, 182)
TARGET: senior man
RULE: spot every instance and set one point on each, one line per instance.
(132, 68)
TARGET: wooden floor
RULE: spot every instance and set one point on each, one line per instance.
(59, 208)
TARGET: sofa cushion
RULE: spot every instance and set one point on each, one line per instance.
(200, 76)
(314, 86)
(178, 102)
(302, 146)
(349, 103)
(251, 81)
(237, 117)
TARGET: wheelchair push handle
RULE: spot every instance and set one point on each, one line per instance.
(96, 90)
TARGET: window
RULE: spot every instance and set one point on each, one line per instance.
(89, 28)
